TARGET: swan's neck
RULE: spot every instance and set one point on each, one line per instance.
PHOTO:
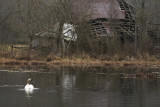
(28, 82)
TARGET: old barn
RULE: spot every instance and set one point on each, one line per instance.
(107, 18)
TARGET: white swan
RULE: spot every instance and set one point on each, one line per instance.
(29, 87)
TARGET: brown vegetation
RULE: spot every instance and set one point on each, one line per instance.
(77, 60)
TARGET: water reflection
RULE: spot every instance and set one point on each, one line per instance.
(68, 84)
(28, 95)
(79, 87)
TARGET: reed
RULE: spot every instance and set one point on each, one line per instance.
(78, 60)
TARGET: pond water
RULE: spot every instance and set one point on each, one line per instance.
(78, 87)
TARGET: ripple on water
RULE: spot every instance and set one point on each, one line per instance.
(50, 91)
(11, 86)
(1, 70)
(22, 89)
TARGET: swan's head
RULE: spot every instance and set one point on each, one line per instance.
(29, 81)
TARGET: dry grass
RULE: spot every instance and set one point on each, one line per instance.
(22, 58)
(4, 61)
(125, 63)
(79, 62)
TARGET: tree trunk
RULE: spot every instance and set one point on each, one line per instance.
(30, 46)
(60, 35)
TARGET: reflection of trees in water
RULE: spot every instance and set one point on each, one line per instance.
(127, 86)
(138, 89)
(68, 81)
(68, 87)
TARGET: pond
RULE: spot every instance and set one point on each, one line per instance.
(78, 87)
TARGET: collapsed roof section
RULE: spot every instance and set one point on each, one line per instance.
(109, 16)
(129, 9)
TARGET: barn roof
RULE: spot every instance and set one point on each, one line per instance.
(109, 9)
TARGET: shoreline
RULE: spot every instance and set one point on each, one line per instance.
(80, 62)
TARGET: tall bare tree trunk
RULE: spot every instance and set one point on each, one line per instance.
(61, 38)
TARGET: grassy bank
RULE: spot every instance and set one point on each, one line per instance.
(79, 62)
(22, 58)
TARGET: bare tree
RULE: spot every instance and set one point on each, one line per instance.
(26, 10)
(142, 19)
(6, 12)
